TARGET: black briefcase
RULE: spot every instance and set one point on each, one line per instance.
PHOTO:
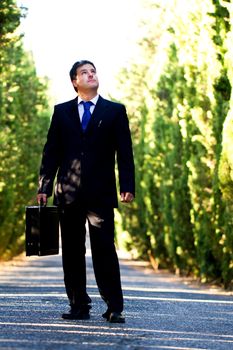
(42, 230)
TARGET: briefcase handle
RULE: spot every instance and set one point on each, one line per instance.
(41, 204)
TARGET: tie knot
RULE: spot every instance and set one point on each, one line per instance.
(87, 105)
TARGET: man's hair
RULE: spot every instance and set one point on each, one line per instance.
(76, 65)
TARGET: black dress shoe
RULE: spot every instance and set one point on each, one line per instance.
(116, 317)
(106, 315)
(76, 314)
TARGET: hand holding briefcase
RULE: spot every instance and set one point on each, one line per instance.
(42, 230)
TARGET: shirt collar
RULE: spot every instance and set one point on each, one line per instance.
(93, 100)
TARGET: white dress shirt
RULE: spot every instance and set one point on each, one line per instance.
(81, 107)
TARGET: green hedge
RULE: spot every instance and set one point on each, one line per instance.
(180, 107)
(23, 124)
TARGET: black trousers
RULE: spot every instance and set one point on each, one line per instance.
(105, 261)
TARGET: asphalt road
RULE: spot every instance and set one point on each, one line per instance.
(162, 311)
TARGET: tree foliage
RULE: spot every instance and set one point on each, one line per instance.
(22, 129)
(180, 106)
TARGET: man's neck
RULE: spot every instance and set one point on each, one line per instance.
(87, 96)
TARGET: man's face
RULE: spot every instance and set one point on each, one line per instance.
(86, 78)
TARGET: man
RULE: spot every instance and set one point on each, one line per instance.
(82, 154)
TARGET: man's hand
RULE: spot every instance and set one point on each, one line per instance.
(127, 197)
(42, 198)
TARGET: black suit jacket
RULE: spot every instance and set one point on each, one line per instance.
(85, 162)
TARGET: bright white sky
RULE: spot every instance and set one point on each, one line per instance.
(61, 32)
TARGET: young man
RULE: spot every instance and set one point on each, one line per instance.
(85, 136)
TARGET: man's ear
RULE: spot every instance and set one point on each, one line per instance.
(74, 83)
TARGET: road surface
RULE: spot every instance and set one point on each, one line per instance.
(162, 311)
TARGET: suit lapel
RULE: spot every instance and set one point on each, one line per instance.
(73, 112)
(97, 114)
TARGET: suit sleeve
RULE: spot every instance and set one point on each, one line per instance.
(124, 149)
(50, 158)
